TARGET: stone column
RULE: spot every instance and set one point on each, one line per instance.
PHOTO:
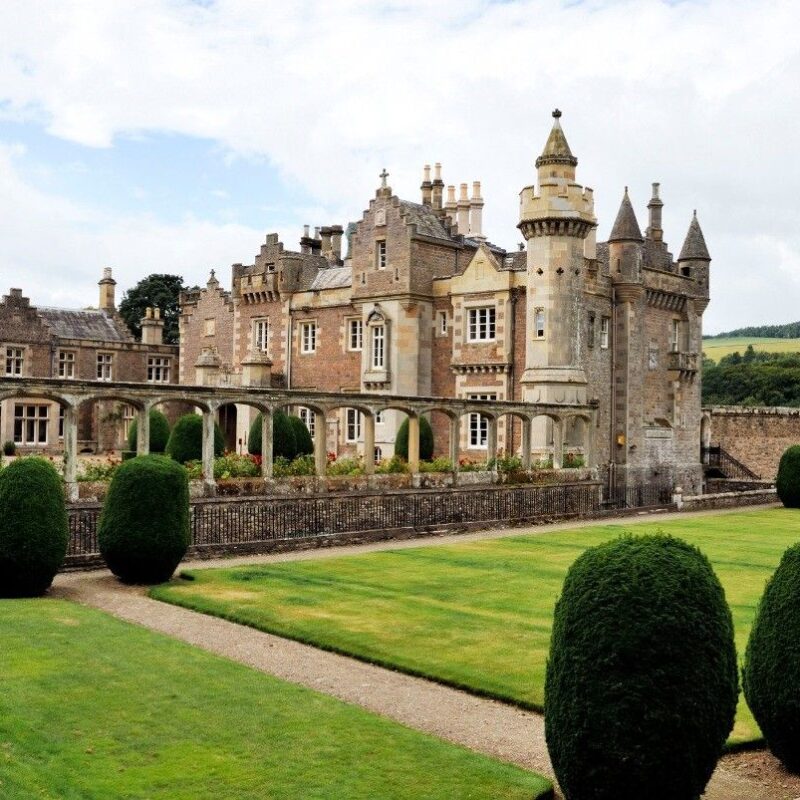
(491, 442)
(588, 437)
(413, 444)
(558, 444)
(71, 452)
(143, 431)
(369, 443)
(455, 441)
(266, 444)
(320, 444)
(527, 425)
(208, 451)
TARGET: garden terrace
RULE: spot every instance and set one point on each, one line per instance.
(72, 395)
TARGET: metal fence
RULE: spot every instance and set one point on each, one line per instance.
(642, 496)
(216, 523)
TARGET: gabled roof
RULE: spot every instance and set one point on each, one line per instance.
(694, 245)
(89, 324)
(626, 227)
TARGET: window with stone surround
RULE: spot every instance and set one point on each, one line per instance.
(15, 358)
(308, 337)
(675, 335)
(605, 326)
(66, 364)
(538, 323)
(378, 349)
(309, 419)
(378, 455)
(442, 322)
(352, 425)
(478, 427)
(30, 424)
(261, 334)
(481, 324)
(355, 334)
(380, 254)
(105, 366)
(158, 369)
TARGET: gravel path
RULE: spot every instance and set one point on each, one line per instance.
(497, 729)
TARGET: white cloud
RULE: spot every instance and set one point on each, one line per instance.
(702, 96)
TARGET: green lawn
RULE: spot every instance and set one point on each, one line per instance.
(475, 615)
(717, 348)
(94, 708)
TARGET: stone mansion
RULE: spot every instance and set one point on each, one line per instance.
(422, 303)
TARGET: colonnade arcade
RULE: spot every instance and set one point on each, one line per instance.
(72, 395)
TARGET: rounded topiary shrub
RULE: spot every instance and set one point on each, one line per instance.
(33, 527)
(302, 436)
(284, 443)
(788, 480)
(425, 440)
(641, 683)
(159, 432)
(144, 526)
(771, 674)
(185, 443)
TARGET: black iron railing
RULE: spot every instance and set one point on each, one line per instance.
(717, 458)
(216, 522)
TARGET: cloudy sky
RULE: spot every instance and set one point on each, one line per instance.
(168, 136)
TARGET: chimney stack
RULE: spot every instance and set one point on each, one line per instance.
(427, 186)
(437, 187)
(152, 326)
(654, 230)
(463, 210)
(306, 240)
(476, 212)
(325, 241)
(336, 243)
(107, 284)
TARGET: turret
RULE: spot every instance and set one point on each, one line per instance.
(555, 218)
(694, 259)
(624, 245)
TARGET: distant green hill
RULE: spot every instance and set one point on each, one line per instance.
(789, 330)
(718, 347)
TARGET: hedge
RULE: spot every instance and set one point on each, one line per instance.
(771, 674)
(33, 527)
(302, 436)
(787, 483)
(144, 526)
(641, 683)
(186, 440)
(284, 442)
(159, 432)
(425, 440)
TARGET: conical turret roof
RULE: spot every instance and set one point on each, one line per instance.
(694, 245)
(626, 227)
(556, 149)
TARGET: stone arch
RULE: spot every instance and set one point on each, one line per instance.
(578, 438)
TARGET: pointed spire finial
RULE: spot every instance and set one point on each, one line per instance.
(626, 226)
(556, 113)
(694, 245)
(556, 149)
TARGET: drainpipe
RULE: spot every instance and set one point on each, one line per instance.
(511, 332)
(289, 349)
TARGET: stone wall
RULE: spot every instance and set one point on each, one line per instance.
(755, 436)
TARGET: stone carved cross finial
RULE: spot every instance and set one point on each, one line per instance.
(383, 176)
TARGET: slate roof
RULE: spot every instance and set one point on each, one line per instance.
(89, 324)
(427, 223)
(626, 227)
(332, 278)
(694, 246)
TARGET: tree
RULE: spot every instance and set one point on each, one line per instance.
(425, 440)
(284, 441)
(185, 442)
(155, 291)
